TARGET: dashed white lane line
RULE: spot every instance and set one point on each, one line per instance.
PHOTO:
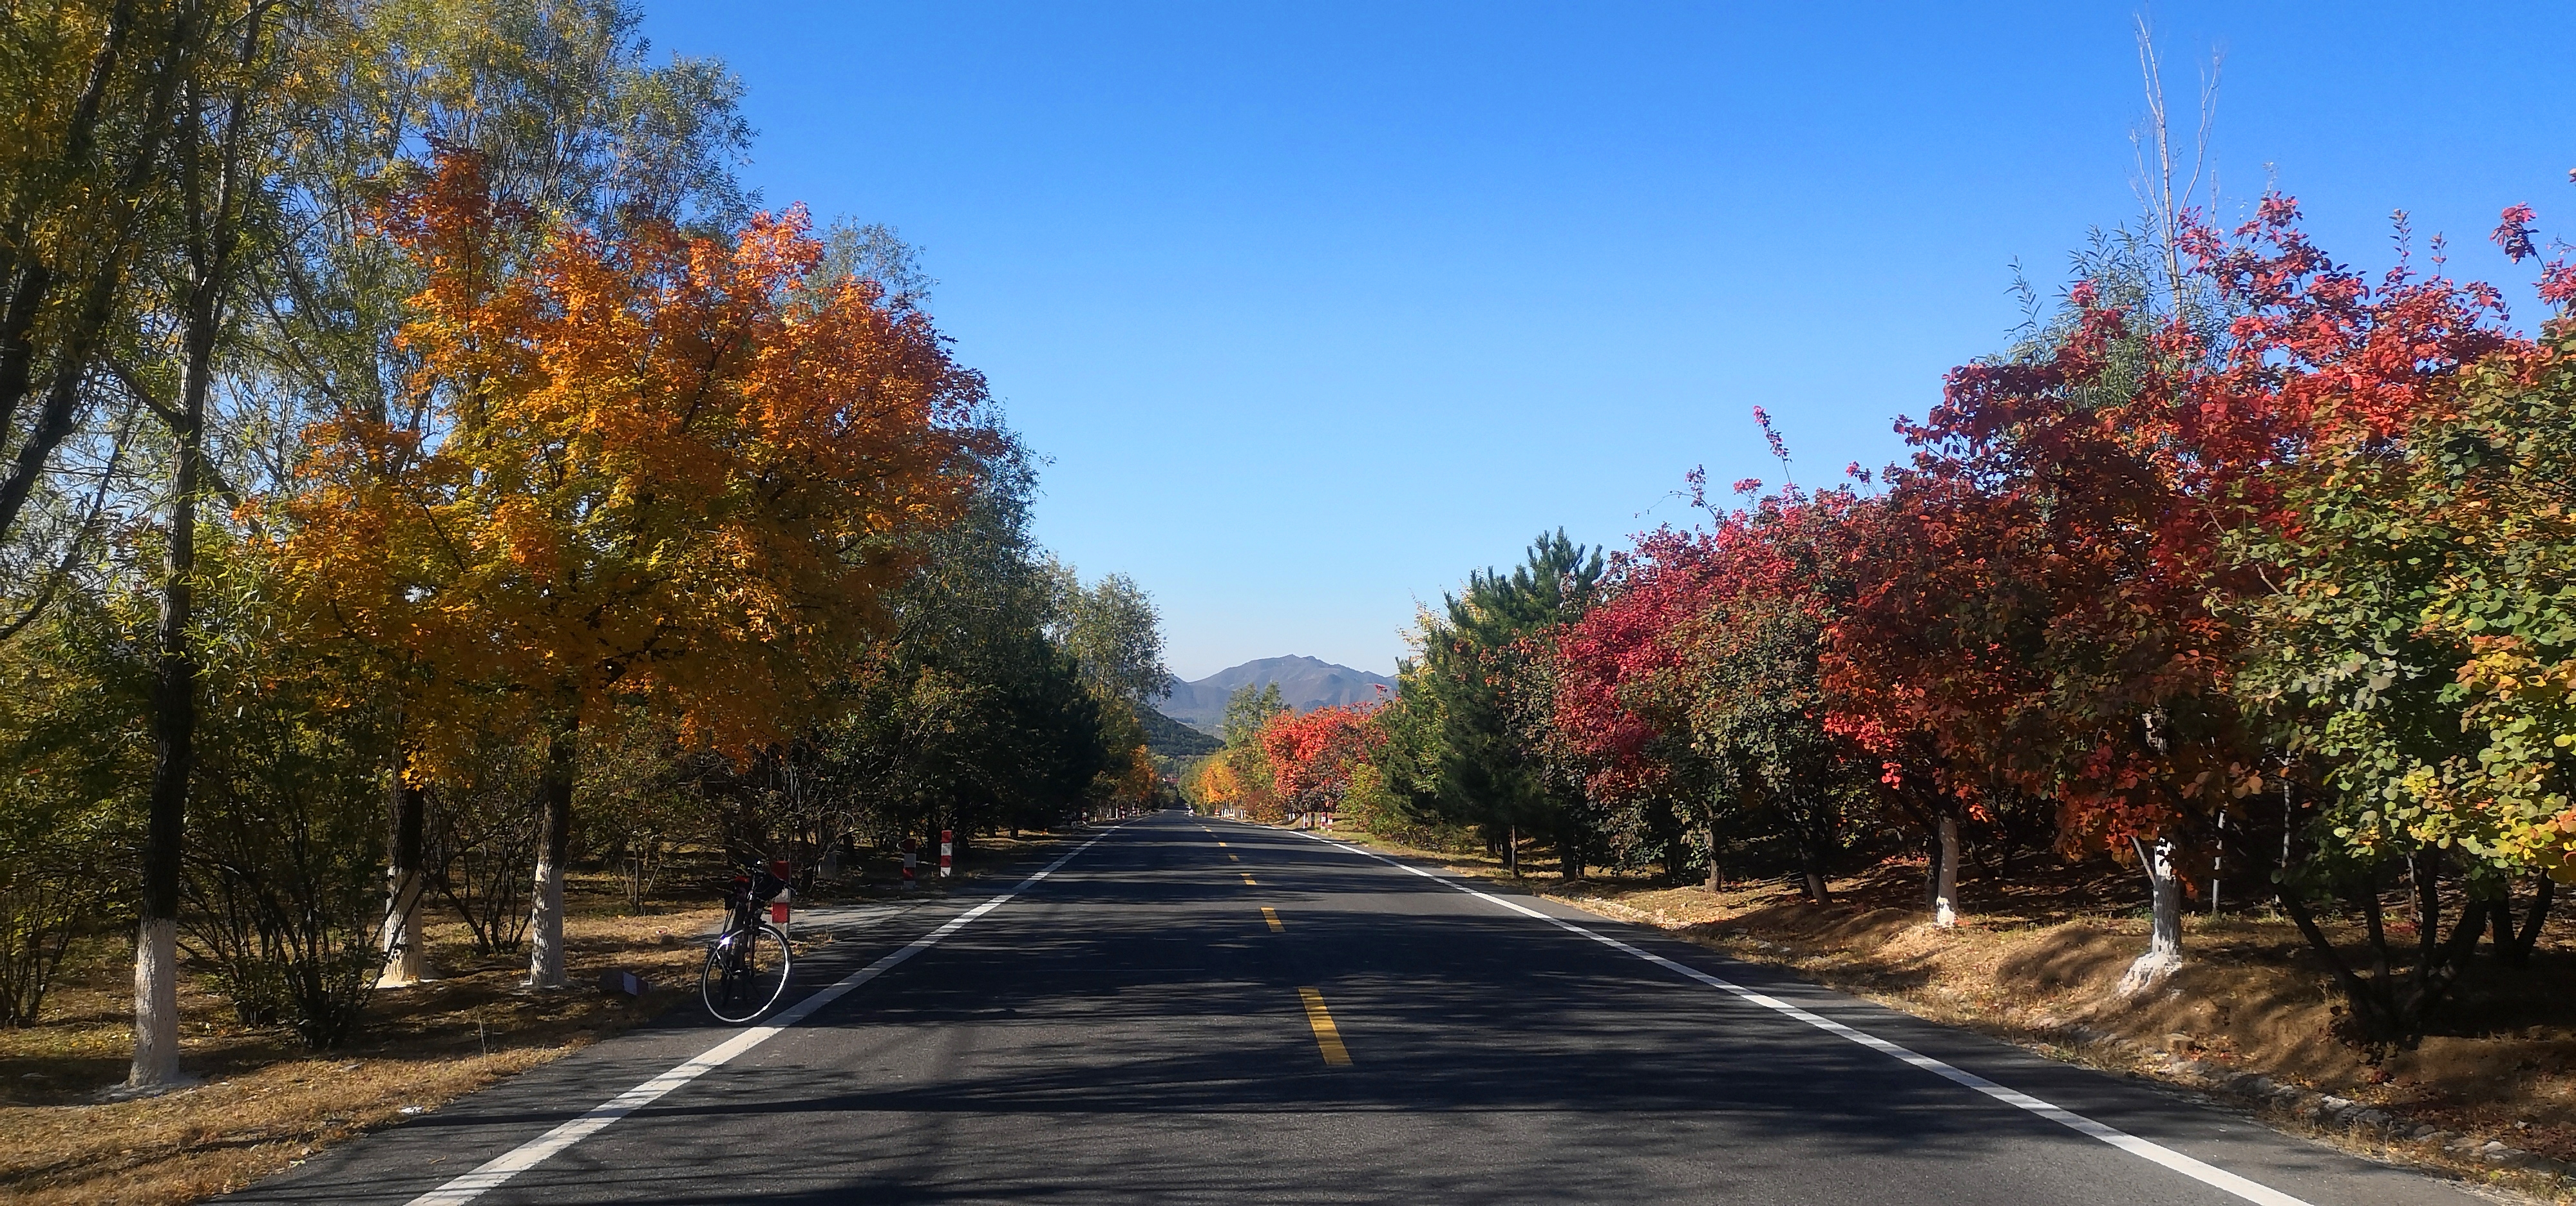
(498, 1170)
(2148, 1150)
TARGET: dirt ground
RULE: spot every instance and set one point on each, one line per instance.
(2043, 954)
(265, 1102)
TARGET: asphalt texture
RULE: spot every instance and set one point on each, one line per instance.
(1133, 1028)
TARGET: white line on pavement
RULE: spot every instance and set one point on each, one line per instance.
(2207, 1174)
(536, 1151)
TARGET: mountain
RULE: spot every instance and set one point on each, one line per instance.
(1169, 738)
(1305, 683)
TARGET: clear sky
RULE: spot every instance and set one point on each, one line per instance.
(1316, 307)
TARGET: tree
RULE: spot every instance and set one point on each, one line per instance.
(1240, 774)
(1480, 675)
(2415, 648)
(224, 123)
(1312, 756)
(2036, 600)
(1114, 632)
(92, 100)
(656, 473)
(570, 121)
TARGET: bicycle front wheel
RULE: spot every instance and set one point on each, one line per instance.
(746, 973)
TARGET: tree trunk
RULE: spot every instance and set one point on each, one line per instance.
(2164, 942)
(1569, 855)
(174, 719)
(1512, 850)
(405, 964)
(2544, 891)
(1945, 874)
(546, 913)
(1716, 879)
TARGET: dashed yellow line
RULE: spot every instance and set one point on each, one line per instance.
(1247, 878)
(1328, 1038)
(1272, 916)
(1234, 858)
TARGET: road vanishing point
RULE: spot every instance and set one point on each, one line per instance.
(1187, 1010)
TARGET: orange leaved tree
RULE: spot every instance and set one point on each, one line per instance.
(648, 469)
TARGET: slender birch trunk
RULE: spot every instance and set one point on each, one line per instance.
(546, 911)
(405, 961)
(1945, 878)
(2164, 942)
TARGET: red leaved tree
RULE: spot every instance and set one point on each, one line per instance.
(1312, 754)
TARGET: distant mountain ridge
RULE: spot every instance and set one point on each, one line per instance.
(1305, 684)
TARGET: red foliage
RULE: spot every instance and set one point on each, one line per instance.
(1620, 670)
(2038, 600)
(1312, 753)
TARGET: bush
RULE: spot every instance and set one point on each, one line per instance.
(76, 758)
(285, 867)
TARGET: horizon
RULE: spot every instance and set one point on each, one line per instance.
(1233, 272)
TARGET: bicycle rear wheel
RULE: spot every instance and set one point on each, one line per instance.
(746, 973)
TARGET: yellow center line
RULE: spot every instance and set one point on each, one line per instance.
(1234, 858)
(1272, 916)
(1220, 841)
(1328, 1038)
(1247, 878)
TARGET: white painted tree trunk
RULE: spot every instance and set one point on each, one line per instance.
(156, 1006)
(1945, 896)
(545, 928)
(2164, 942)
(405, 964)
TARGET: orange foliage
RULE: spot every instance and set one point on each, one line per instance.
(661, 468)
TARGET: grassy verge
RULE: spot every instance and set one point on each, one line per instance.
(265, 1102)
(2037, 960)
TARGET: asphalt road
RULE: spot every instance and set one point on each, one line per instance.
(1134, 1027)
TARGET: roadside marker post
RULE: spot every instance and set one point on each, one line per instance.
(947, 846)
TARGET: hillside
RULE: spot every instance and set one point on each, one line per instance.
(1305, 683)
(1169, 738)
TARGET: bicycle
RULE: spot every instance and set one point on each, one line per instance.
(747, 965)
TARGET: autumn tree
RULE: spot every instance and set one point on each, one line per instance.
(654, 471)
(2412, 651)
(571, 120)
(1313, 754)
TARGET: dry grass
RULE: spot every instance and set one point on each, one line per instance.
(266, 1102)
(2044, 953)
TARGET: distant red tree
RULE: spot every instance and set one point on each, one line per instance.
(1312, 754)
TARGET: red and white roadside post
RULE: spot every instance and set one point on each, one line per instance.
(911, 852)
(947, 849)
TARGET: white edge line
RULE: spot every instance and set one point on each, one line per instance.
(2205, 1173)
(498, 1170)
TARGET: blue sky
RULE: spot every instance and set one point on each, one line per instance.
(1315, 308)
